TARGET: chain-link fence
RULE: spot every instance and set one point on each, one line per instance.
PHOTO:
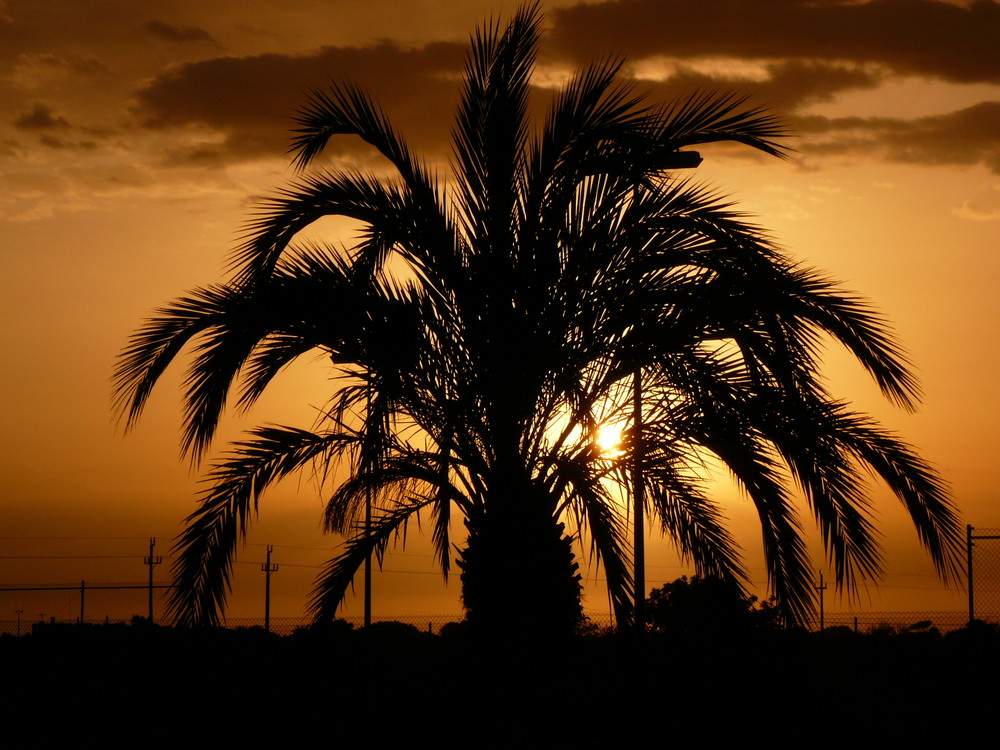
(20, 607)
(870, 622)
(596, 623)
(286, 625)
(984, 556)
(82, 602)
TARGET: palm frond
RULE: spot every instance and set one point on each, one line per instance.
(923, 493)
(281, 217)
(480, 332)
(154, 346)
(694, 523)
(587, 498)
(337, 575)
(491, 128)
(711, 117)
(206, 547)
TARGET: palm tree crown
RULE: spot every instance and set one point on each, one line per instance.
(484, 327)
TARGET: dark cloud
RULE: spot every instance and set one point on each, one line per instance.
(41, 118)
(967, 137)
(174, 33)
(921, 37)
(787, 85)
(247, 102)
(52, 142)
(54, 131)
(251, 100)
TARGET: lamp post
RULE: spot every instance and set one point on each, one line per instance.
(368, 524)
(638, 503)
(673, 160)
(337, 361)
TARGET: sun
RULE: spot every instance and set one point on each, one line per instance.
(609, 439)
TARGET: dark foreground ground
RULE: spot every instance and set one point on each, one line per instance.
(140, 686)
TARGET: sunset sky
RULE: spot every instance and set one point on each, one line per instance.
(135, 138)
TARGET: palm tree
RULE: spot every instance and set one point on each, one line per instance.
(485, 327)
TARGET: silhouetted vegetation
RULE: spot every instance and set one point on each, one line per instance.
(125, 685)
(708, 607)
(482, 329)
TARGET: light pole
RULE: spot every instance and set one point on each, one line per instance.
(638, 503)
(674, 160)
(368, 500)
(368, 522)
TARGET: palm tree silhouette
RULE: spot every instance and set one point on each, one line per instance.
(484, 327)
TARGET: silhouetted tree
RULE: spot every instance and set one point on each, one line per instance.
(707, 607)
(484, 327)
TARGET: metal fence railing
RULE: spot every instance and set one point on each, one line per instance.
(984, 571)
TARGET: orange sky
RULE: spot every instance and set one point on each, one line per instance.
(134, 138)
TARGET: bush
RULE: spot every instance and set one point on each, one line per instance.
(707, 606)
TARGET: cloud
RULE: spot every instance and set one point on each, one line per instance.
(783, 86)
(966, 137)
(174, 33)
(53, 128)
(38, 69)
(251, 100)
(229, 109)
(984, 206)
(53, 142)
(915, 37)
(41, 118)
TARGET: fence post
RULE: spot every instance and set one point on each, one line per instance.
(968, 555)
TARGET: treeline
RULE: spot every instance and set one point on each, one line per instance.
(391, 682)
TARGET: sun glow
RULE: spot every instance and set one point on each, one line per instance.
(609, 439)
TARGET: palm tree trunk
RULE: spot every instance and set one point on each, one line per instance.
(519, 576)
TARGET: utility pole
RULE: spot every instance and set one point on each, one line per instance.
(152, 562)
(368, 559)
(83, 588)
(821, 588)
(18, 611)
(638, 501)
(268, 569)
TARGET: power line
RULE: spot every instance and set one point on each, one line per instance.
(70, 557)
(67, 538)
